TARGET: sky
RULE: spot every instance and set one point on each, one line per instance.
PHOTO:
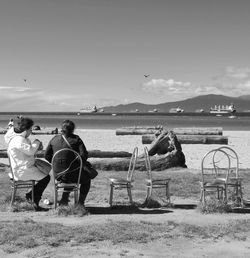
(61, 55)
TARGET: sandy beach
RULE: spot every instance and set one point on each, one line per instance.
(106, 140)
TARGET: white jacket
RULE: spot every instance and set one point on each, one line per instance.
(21, 153)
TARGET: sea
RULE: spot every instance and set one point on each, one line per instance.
(236, 122)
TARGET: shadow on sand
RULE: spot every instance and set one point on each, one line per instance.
(126, 210)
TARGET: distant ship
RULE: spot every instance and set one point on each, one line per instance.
(176, 110)
(153, 111)
(89, 109)
(218, 109)
(199, 110)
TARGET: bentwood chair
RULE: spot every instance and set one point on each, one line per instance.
(120, 183)
(74, 158)
(215, 167)
(234, 179)
(19, 184)
(155, 183)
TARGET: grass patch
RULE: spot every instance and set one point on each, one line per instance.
(29, 234)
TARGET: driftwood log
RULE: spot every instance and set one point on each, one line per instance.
(139, 130)
(192, 139)
(92, 154)
(177, 131)
(36, 132)
(158, 162)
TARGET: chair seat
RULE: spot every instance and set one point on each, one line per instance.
(120, 181)
(60, 184)
(157, 181)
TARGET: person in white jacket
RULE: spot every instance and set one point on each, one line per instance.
(22, 157)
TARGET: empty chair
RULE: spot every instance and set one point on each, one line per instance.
(234, 179)
(19, 184)
(74, 158)
(122, 183)
(215, 167)
(154, 183)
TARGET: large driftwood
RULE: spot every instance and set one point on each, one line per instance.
(92, 154)
(178, 131)
(158, 162)
(198, 131)
(139, 130)
(35, 132)
(192, 139)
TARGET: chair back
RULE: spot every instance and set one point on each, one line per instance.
(234, 161)
(147, 164)
(73, 163)
(215, 164)
(132, 164)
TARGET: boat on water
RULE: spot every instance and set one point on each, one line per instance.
(89, 109)
(221, 109)
(155, 110)
(199, 110)
(176, 110)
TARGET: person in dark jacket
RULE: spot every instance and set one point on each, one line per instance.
(57, 143)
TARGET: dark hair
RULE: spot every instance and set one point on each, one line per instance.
(24, 124)
(68, 127)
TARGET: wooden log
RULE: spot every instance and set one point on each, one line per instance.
(38, 132)
(177, 131)
(136, 131)
(158, 162)
(192, 139)
(92, 154)
(198, 131)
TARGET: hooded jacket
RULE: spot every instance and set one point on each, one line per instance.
(21, 154)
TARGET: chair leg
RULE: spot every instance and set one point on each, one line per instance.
(13, 196)
(55, 197)
(130, 194)
(32, 192)
(111, 194)
(167, 191)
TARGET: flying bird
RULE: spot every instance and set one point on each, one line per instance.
(146, 75)
(25, 80)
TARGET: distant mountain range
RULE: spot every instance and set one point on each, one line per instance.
(204, 102)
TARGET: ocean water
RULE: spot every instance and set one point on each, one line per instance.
(107, 121)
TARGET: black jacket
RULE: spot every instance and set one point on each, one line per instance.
(63, 160)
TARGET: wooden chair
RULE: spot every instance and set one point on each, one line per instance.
(120, 183)
(19, 184)
(155, 183)
(59, 186)
(234, 179)
(215, 167)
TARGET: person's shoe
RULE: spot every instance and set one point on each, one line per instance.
(39, 208)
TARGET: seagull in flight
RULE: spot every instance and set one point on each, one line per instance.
(146, 75)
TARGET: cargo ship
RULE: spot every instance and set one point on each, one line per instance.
(221, 109)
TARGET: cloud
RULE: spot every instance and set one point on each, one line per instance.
(164, 86)
(35, 99)
(237, 73)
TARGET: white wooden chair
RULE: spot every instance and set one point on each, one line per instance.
(122, 183)
(60, 186)
(234, 179)
(155, 183)
(19, 184)
(215, 167)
